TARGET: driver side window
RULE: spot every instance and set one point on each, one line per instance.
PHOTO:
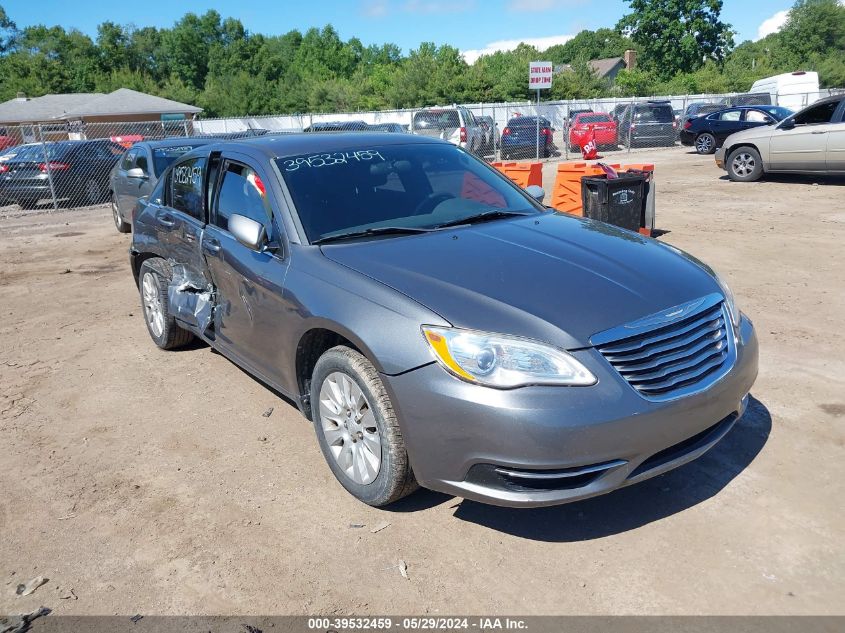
(816, 115)
(243, 192)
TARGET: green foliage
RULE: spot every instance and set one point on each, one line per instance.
(682, 46)
(677, 35)
(588, 45)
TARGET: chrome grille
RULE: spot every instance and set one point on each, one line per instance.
(680, 357)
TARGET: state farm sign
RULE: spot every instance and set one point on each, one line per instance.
(540, 75)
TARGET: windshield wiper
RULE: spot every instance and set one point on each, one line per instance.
(377, 230)
(492, 214)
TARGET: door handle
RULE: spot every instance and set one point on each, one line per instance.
(819, 132)
(165, 219)
(211, 245)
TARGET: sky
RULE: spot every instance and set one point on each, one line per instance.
(474, 26)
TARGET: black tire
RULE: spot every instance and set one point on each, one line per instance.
(91, 194)
(172, 336)
(119, 224)
(395, 478)
(574, 149)
(705, 143)
(744, 165)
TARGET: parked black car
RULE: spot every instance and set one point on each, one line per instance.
(79, 171)
(707, 133)
(524, 136)
(648, 124)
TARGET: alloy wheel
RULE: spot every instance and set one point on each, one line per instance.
(153, 310)
(743, 164)
(704, 144)
(116, 214)
(350, 428)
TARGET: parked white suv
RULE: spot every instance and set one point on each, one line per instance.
(455, 124)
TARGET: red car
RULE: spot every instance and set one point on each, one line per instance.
(6, 142)
(602, 124)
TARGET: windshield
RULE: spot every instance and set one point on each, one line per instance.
(438, 119)
(410, 186)
(164, 156)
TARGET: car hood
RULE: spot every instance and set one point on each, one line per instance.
(550, 277)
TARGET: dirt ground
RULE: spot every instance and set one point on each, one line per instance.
(150, 482)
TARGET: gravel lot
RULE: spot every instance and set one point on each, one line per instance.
(149, 482)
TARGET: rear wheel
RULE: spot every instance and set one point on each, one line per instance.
(120, 225)
(161, 325)
(745, 165)
(91, 193)
(357, 429)
(705, 143)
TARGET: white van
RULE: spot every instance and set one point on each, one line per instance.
(792, 90)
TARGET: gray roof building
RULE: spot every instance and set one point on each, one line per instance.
(608, 67)
(123, 104)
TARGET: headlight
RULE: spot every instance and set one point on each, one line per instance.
(736, 315)
(496, 360)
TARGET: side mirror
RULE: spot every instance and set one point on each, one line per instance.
(787, 124)
(536, 192)
(136, 172)
(247, 231)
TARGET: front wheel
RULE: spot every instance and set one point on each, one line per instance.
(119, 224)
(705, 143)
(357, 429)
(745, 165)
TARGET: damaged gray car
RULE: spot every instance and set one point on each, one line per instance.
(437, 323)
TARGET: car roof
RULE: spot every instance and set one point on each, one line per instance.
(273, 146)
(178, 141)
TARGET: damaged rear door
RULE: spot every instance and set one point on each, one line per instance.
(248, 283)
(180, 224)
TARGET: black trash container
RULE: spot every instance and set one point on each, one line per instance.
(618, 201)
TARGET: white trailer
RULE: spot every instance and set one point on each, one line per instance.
(791, 90)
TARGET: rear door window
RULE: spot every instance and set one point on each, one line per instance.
(186, 192)
(730, 115)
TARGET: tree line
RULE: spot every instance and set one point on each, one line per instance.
(683, 47)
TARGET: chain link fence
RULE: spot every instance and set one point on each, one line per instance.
(75, 164)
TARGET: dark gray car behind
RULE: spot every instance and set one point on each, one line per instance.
(136, 173)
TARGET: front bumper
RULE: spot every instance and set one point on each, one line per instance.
(537, 446)
(720, 158)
